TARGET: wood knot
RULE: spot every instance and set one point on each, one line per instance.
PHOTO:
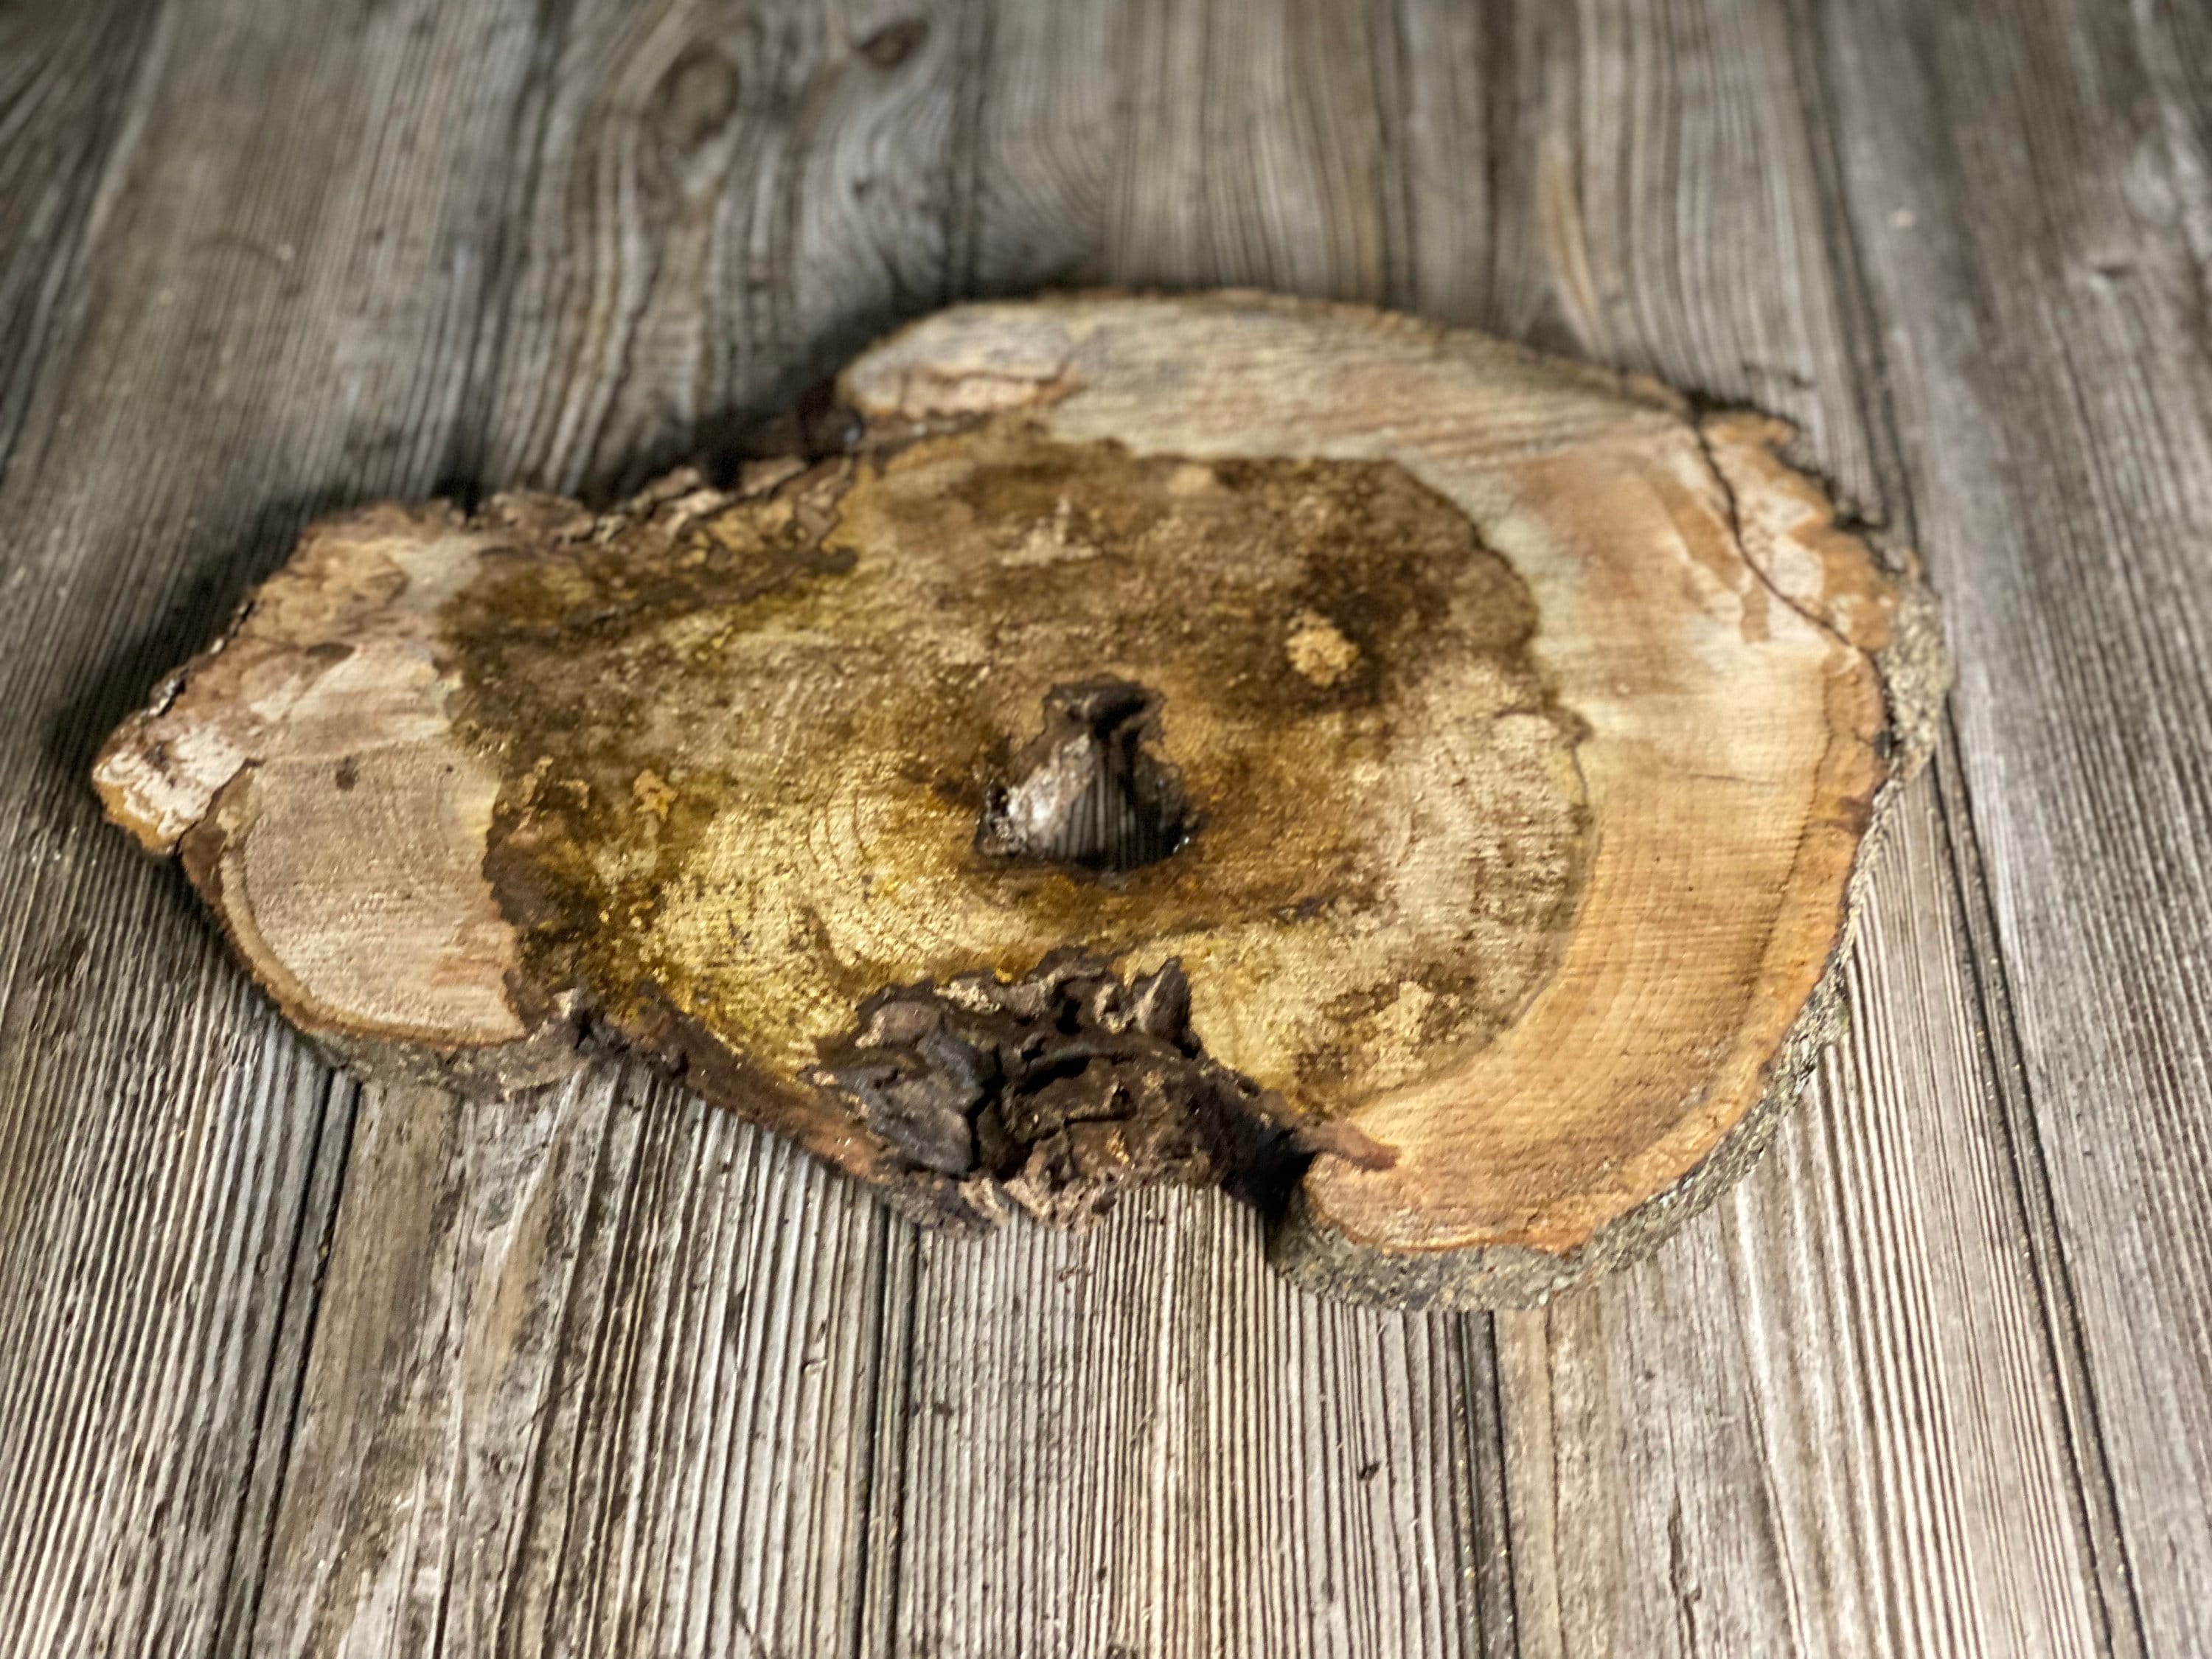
(1092, 790)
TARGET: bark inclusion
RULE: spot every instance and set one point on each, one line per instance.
(1061, 1090)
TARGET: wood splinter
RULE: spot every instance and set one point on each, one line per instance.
(1417, 783)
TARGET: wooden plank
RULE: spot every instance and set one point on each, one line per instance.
(71, 82)
(1659, 208)
(1755, 1443)
(2026, 186)
(157, 1292)
(2120, 1615)
(597, 1372)
(1443, 127)
(1048, 119)
(1251, 150)
(719, 205)
(1086, 1421)
(168, 1156)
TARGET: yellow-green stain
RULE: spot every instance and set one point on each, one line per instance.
(745, 755)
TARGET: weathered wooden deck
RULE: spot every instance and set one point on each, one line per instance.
(291, 1368)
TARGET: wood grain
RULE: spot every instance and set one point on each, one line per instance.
(1142, 1441)
(596, 1372)
(1196, 202)
(1824, 1417)
(2049, 365)
(167, 1164)
(73, 85)
(263, 261)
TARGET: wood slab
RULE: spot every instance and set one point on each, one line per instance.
(1418, 783)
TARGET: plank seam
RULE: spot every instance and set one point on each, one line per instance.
(1899, 1615)
(870, 1507)
(334, 1082)
(1400, 268)
(963, 161)
(595, 1197)
(2028, 1162)
(1499, 1628)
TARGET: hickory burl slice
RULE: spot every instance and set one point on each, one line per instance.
(1414, 782)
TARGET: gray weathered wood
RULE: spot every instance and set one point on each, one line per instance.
(1252, 152)
(597, 1373)
(1143, 1440)
(2029, 199)
(168, 1157)
(74, 85)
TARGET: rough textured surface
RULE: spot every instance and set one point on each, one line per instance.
(1931, 1380)
(1494, 782)
(1065, 1088)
